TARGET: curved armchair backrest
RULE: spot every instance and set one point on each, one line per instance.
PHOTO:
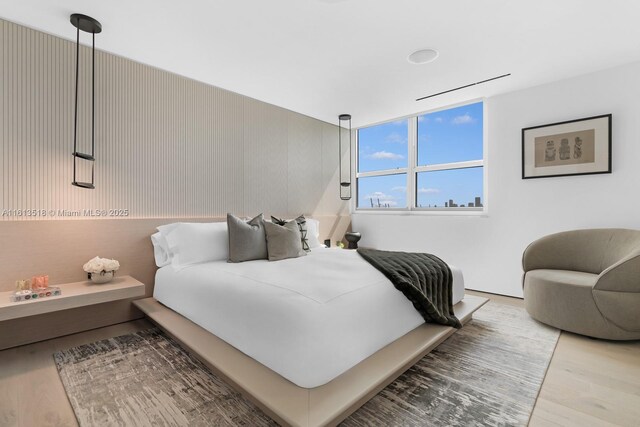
(589, 251)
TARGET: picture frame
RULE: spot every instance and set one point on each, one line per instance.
(574, 147)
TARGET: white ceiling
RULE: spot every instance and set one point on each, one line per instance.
(326, 57)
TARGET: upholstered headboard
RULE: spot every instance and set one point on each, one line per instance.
(59, 248)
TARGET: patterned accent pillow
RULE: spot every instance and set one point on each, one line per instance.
(302, 225)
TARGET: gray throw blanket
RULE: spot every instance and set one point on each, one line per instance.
(424, 279)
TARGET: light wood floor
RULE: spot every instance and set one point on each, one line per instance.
(589, 382)
(31, 393)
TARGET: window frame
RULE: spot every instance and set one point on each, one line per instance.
(413, 169)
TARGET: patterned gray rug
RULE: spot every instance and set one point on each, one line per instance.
(489, 373)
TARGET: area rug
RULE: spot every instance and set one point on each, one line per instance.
(488, 373)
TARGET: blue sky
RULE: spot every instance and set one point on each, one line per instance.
(452, 135)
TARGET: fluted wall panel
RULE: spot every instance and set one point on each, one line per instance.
(304, 162)
(166, 146)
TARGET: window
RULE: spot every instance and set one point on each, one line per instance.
(432, 161)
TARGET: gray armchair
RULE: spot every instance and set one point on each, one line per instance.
(585, 281)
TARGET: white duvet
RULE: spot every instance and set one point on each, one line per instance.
(309, 319)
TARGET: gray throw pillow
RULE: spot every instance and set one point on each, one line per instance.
(283, 241)
(246, 239)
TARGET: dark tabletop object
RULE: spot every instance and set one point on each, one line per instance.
(353, 238)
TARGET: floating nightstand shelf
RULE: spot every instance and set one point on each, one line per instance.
(74, 295)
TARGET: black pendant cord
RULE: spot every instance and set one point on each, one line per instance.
(93, 105)
(75, 118)
(350, 157)
(340, 154)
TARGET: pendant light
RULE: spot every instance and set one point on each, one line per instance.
(345, 181)
(88, 25)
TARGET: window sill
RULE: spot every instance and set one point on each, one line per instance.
(423, 212)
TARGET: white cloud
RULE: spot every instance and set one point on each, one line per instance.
(428, 190)
(395, 138)
(420, 119)
(380, 195)
(439, 120)
(463, 120)
(400, 122)
(385, 155)
(400, 188)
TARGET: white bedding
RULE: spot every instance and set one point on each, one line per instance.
(309, 319)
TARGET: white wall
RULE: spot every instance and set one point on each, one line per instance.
(489, 249)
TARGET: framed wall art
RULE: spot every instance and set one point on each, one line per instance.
(575, 147)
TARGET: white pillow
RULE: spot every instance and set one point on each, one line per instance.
(161, 251)
(313, 232)
(192, 243)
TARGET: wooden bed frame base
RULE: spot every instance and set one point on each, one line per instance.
(287, 403)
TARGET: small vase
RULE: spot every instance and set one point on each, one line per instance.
(353, 238)
(102, 277)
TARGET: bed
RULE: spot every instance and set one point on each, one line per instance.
(309, 319)
(308, 339)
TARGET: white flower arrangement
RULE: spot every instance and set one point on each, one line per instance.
(101, 265)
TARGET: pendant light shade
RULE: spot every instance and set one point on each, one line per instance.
(344, 124)
(88, 25)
